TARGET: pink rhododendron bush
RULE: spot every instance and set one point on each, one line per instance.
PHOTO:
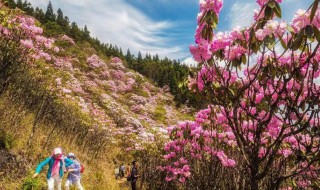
(262, 127)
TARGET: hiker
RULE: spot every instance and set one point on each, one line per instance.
(121, 170)
(74, 173)
(57, 163)
(134, 175)
(128, 172)
(116, 173)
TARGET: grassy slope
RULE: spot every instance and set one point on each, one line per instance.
(96, 123)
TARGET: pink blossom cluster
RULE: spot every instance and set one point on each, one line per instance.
(117, 74)
(302, 18)
(95, 61)
(211, 5)
(116, 60)
(272, 27)
(190, 138)
(67, 39)
(201, 52)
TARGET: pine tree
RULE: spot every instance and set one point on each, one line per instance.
(139, 57)
(19, 4)
(50, 16)
(60, 19)
(128, 56)
(156, 58)
(86, 32)
(39, 15)
(11, 4)
(120, 52)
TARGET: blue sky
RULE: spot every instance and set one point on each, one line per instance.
(165, 27)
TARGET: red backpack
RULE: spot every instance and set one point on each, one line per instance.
(81, 168)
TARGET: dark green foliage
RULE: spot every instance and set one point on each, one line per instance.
(50, 16)
(86, 32)
(60, 18)
(39, 15)
(19, 4)
(11, 4)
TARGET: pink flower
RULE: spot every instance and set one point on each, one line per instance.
(202, 51)
(259, 97)
(214, 5)
(186, 168)
(300, 20)
(259, 34)
(234, 52)
(27, 43)
(182, 179)
(187, 174)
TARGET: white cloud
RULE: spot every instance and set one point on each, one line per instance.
(189, 61)
(241, 14)
(118, 23)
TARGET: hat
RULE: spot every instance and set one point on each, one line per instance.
(57, 151)
(71, 155)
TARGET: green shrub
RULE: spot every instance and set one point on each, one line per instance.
(160, 113)
(33, 184)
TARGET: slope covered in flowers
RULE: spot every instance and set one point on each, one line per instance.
(76, 92)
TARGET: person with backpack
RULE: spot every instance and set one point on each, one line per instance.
(128, 172)
(121, 170)
(74, 173)
(57, 163)
(134, 175)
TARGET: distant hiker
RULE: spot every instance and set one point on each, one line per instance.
(128, 172)
(116, 172)
(134, 175)
(74, 173)
(121, 170)
(57, 163)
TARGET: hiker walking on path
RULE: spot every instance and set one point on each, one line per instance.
(121, 170)
(128, 171)
(134, 175)
(74, 173)
(117, 172)
(57, 163)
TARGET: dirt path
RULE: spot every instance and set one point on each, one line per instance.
(123, 183)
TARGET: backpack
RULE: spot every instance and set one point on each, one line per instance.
(81, 168)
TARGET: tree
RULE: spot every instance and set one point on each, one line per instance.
(86, 32)
(11, 4)
(263, 119)
(19, 4)
(60, 18)
(39, 15)
(50, 16)
(139, 57)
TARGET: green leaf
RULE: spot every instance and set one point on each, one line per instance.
(215, 17)
(314, 9)
(297, 42)
(278, 10)
(283, 44)
(271, 4)
(309, 31)
(244, 59)
(316, 33)
(268, 12)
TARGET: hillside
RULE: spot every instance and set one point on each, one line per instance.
(58, 92)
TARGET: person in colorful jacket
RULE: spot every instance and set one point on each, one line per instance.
(74, 173)
(57, 162)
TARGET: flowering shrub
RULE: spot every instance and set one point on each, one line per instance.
(66, 38)
(95, 61)
(264, 111)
